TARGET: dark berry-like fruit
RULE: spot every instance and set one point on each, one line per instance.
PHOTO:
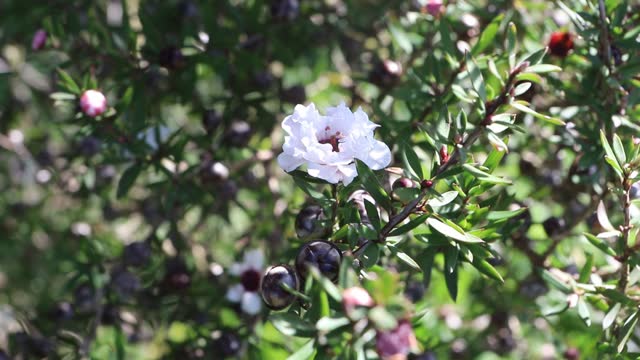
(323, 255)
(171, 58)
(4, 355)
(273, 291)
(238, 134)
(125, 283)
(386, 73)
(84, 298)
(429, 355)
(213, 171)
(553, 226)
(110, 314)
(263, 80)
(560, 43)
(294, 95)
(62, 311)
(137, 254)
(89, 146)
(177, 277)
(308, 221)
(211, 120)
(227, 345)
(414, 291)
(284, 9)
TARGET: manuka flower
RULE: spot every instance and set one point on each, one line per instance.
(330, 144)
(250, 273)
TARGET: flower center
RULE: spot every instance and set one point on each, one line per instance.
(250, 280)
(334, 140)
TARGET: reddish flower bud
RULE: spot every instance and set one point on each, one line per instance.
(426, 184)
(396, 343)
(433, 7)
(39, 40)
(93, 103)
(444, 154)
(355, 296)
(561, 43)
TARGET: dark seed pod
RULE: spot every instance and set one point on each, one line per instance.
(294, 95)
(323, 255)
(137, 254)
(228, 345)
(553, 225)
(211, 120)
(273, 293)
(283, 10)
(171, 58)
(308, 221)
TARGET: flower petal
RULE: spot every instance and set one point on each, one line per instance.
(289, 163)
(254, 259)
(235, 293)
(379, 155)
(251, 303)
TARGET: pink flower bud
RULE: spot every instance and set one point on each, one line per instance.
(39, 40)
(396, 343)
(356, 296)
(93, 103)
(433, 7)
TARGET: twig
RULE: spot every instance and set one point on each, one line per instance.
(626, 227)
(604, 37)
(491, 107)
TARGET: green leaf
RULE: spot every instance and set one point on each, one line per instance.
(451, 273)
(488, 35)
(496, 142)
(425, 259)
(408, 260)
(411, 159)
(518, 105)
(305, 352)
(62, 96)
(309, 189)
(401, 38)
(611, 316)
(583, 312)
(600, 244)
(477, 81)
(618, 149)
(328, 324)
(585, 272)
(290, 324)
(555, 282)
(372, 213)
(446, 230)
(443, 199)
(127, 179)
(372, 185)
(627, 330)
(382, 319)
(412, 224)
(512, 39)
(504, 215)
(485, 177)
(370, 255)
(326, 284)
(542, 68)
(484, 267)
(67, 81)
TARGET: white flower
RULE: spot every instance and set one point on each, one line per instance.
(250, 273)
(329, 144)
